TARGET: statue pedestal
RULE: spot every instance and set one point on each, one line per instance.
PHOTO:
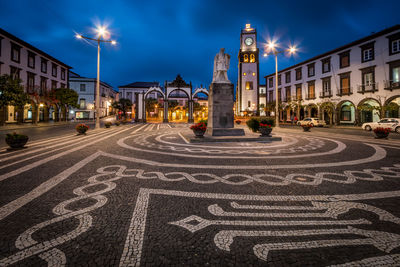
(220, 111)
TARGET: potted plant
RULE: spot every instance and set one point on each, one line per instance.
(306, 127)
(199, 129)
(237, 121)
(265, 129)
(15, 140)
(253, 124)
(381, 132)
(81, 128)
(108, 124)
(117, 123)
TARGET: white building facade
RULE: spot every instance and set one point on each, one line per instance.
(358, 82)
(86, 88)
(247, 91)
(39, 73)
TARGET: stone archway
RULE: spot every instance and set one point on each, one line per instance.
(369, 110)
(391, 108)
(346, 113)
(327, 112)
(150, 111)
(199, 111)
(312, 111)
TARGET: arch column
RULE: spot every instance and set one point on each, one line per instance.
(165, 113)
(190, 119)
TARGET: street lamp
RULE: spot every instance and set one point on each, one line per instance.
(272, 47)
(101, 32)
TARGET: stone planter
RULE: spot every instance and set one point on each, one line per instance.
(17, 142)
(81, 131)
(265, 131)
(199, 133)
(107, 125)
(306, 129)
(380, 135)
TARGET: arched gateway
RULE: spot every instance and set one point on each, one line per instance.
(170, 87)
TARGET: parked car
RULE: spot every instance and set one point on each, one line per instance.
(392, 123)
(313, 122)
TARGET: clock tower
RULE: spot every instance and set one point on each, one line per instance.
(247, 94)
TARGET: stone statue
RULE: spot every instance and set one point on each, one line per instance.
(221, 66)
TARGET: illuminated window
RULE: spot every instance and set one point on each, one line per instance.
(252, 58)
(249, 85)
(254, 74)
(246, 58)
(244, 74)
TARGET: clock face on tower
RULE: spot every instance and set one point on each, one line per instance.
(248, 41)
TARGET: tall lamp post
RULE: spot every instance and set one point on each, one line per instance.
(101, 32)
(272, 47)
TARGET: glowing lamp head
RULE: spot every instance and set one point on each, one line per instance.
(101, 31)
(78, 36)
(271, 45)
(292, 49)
(113, 42)
(248, 26)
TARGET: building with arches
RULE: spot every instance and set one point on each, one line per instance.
(355, 83)
(177, 90)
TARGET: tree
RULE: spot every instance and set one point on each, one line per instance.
(66, 97)
(12, 94)
(122, 105)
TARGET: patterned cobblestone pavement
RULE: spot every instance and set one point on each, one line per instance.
(141, 195)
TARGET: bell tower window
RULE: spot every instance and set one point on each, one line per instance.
(246, 58)
(252, 58)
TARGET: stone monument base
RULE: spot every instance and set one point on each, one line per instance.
(225, 131)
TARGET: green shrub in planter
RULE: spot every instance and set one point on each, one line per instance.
(266, 120)
(253, 124)
(108, 124)
(16, 140)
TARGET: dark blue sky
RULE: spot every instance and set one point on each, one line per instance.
(159, 39)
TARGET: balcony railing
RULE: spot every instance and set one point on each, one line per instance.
(367, 88)
(391, 85)
(310, 96)
(325, 94)
(345, 91)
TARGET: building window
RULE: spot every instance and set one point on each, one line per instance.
(279, 79)
(249, 85)
(15, 52)
(53, 84)
(63, 74)
(31, 60)
(395, 46)
(271, 82)
(344, 59)
(271, 96)
(287, 77)
(31, 82)
(254, 74)
(311, 90)
(298, 74)
(43, 85)
(248, 104)
(54, 70)
(345, 114)
(367, 52)
(43, 65)
(246, 58)
(326, 65)
(298, 92)
(62, 85)
(82, 87)
(82, 103)
(345, 84)
(279, 94)
(311, 70)
(326, 86)
(252, 58)
(288, 94)
(1, 38)
(394, 75)
(14, 72)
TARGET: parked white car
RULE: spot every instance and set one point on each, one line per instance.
(392, 123)
(312, 121)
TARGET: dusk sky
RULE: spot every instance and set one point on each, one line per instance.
(159, 39)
